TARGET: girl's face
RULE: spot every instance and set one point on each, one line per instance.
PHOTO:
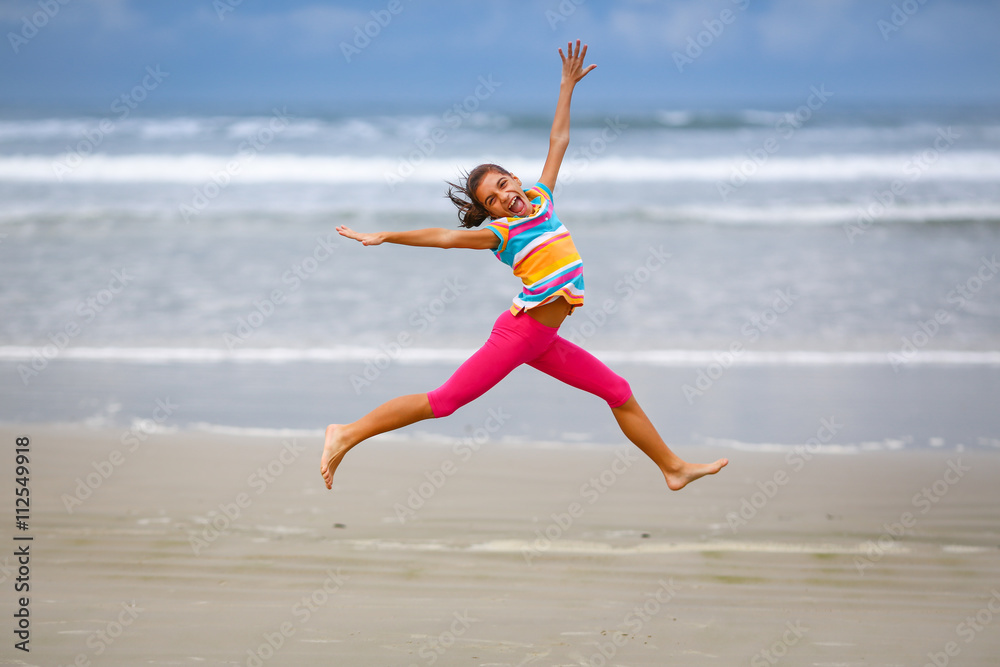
(502, 196)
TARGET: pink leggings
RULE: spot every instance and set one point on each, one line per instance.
(517, 340)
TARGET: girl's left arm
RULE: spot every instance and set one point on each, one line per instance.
(572, 71)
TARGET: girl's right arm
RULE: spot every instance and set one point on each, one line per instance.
(476, 239)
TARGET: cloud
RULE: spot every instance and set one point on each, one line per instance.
(953, 26)
(321, 29)
(654, 27)
(309, 30)
(13, 12)
(815, 29)
(105, 14)
(117, 15)
(779, 28)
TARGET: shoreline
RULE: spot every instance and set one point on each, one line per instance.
(822, 445)
(920, 406)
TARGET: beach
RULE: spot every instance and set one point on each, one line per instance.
(197, 548)
(789, 219)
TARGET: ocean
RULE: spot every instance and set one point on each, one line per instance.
(757, 275)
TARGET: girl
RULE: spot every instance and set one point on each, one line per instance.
(524, 232)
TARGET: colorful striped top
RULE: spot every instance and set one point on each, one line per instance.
(540, 250)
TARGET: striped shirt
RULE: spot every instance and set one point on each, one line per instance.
(540, 250)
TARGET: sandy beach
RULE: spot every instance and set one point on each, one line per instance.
(192, 548)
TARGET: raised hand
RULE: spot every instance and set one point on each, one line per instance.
(572, 63)
(365, 239)
(572, 71)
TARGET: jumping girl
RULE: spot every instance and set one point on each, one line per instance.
(523, 231)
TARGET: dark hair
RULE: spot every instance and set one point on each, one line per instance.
(471, 212)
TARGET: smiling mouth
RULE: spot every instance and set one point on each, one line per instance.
(517, 206)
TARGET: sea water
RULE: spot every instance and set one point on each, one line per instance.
(750, 272)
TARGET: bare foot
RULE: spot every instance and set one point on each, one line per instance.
(333, 453)
(689, 472)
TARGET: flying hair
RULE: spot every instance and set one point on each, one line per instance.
(471, 212)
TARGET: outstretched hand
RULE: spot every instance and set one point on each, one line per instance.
(365, 239)
(572, 62)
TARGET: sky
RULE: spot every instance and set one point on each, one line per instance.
(246, 56)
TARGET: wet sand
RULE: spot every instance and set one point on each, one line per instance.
(195, 548)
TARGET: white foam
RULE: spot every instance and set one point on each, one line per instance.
(820, 213)
(253, 432)
(675, 118)
(796, 358)
(348, 354)
(966, 549)
(391, 545)
(575, 547)
(288, 167)
(886, 445)
(151, 427)
(139, 209)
